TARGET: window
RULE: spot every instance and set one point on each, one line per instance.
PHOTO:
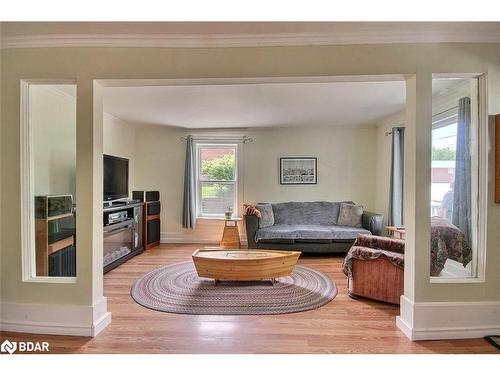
(458, 174)
(444, 141)
(216, 179)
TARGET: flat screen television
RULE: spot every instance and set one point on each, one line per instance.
(115, 175)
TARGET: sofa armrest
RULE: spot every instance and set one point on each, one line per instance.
(251, 225)
(373, 222)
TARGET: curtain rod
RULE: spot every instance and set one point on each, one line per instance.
(398, 126)
(243, 139)
(446, 110)
(434, 115)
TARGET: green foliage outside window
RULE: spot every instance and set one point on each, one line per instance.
(219, 169)
(443, 153)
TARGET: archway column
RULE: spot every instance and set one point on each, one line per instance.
(417, 195)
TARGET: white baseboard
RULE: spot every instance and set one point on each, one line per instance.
(72, 320)
(448, 320)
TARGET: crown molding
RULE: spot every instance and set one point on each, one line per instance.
(245, 40)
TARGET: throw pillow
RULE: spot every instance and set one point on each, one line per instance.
(350, 215)
(267, 215)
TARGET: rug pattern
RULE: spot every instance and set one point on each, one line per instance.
(178, 289)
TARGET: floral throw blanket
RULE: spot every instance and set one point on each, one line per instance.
(372, 247)
(249, 209)
(447, 241)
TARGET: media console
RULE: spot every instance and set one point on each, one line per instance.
(122, 232)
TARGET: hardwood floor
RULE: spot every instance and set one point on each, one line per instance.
(342, 326)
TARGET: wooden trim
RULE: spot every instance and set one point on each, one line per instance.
(497, 158)
(152, 217)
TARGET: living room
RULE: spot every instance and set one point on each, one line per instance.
(346, 134)
(300, 123)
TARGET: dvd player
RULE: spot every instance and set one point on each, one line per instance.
(117, 217)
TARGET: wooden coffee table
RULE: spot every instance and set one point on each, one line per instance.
(244, 265)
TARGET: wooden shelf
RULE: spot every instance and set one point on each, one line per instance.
(59, 216)
(61, 244)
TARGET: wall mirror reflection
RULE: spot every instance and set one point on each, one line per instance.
(50, 132)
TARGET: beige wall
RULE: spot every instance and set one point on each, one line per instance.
(346, 164)
(119, 140)
(53, 126)
(346, 169)
(87, 64)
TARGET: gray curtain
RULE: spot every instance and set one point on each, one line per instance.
(397, 177)
(189, 206)
(461, 215)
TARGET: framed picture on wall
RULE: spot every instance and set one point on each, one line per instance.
(298, 170)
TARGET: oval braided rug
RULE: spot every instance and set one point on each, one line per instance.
(178, 289)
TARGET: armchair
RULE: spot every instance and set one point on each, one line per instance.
(374, 267)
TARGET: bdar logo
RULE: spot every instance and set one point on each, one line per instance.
(9, 347)
(24, 346)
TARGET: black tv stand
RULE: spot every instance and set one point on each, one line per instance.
(122, 232)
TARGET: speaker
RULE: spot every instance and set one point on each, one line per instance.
(153, 208)
(153, 231)
(48, 206)
(146, 196)
(151, 217)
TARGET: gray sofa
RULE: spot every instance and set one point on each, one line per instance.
(308, 227)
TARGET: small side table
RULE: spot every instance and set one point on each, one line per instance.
(396, 232)
(230, 235)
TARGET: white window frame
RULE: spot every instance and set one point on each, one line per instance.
(28, 244)
(480, 188)
(199, 145)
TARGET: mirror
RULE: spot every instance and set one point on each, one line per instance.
(52, 165)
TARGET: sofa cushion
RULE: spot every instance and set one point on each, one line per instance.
(308, 213)
(350, 215)
(303, 233)
(347, 233)
(267, 216)
(276, 232)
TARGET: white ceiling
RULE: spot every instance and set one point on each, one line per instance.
(257, 105)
